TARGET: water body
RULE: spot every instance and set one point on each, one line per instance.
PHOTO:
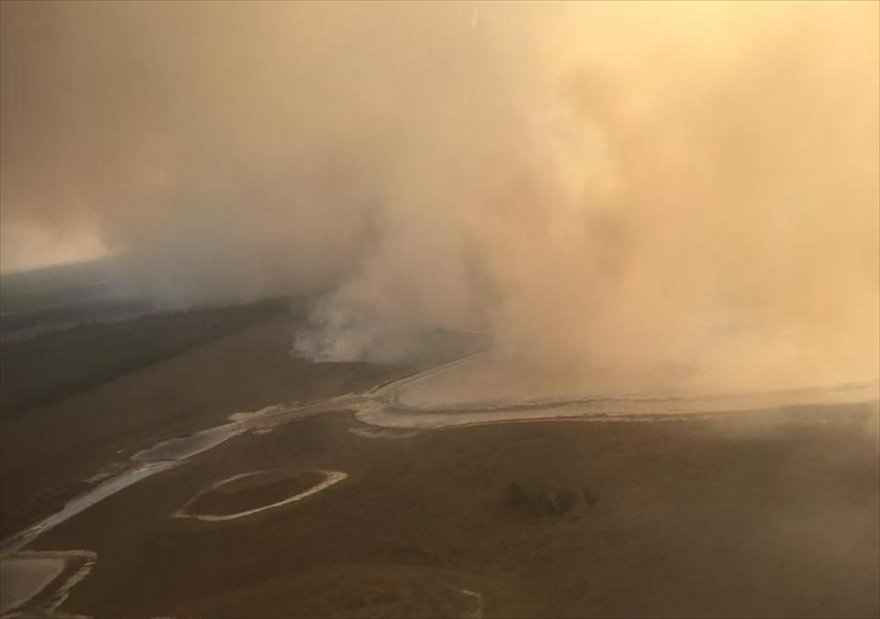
(420, 401)
(182, 447)
(82, 503)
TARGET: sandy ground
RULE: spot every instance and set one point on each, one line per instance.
(24, 578)
(485, 383)
(761, 514)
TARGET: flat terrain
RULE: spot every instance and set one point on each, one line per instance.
(759, 514)
(48, 452)
(55, 365)
(253, 491)
(691, 519)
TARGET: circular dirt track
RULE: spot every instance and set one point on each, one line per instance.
(250, 493)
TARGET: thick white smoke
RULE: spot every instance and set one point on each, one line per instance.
(653, 192)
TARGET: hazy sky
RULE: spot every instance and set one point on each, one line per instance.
(576, 178)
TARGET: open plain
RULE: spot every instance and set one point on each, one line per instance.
(760, 513)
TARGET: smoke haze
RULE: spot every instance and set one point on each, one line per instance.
(673, 193)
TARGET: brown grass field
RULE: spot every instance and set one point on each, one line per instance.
(750, 514)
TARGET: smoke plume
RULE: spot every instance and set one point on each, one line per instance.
(669, 192)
